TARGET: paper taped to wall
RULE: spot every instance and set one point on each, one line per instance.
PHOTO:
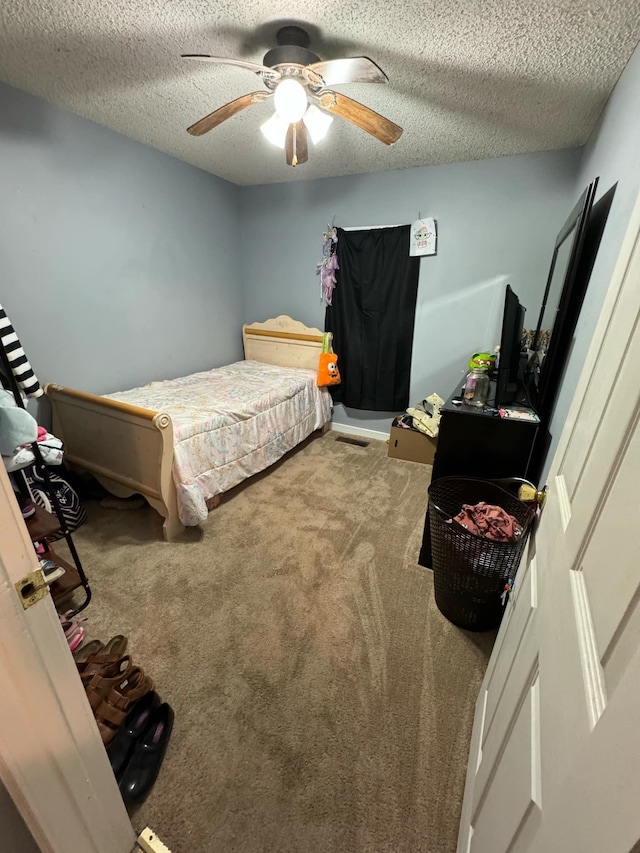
(423, 237)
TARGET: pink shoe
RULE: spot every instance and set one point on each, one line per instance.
(77, 639)
(28, 510)
(73, 632)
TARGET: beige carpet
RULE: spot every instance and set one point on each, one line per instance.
(322, 702)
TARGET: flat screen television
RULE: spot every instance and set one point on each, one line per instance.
(508, 373)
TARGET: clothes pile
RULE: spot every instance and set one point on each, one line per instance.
(488, 520)
(424, 416)
(18, 430)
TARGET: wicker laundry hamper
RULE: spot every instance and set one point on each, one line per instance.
(470, 572)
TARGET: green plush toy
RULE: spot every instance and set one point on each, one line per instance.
(483, 360)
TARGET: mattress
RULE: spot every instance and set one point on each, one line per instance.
(230, 423)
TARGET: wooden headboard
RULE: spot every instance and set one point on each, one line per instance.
(283, 341)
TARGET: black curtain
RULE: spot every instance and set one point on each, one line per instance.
(372, 318)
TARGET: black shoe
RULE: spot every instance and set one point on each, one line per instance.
(134, 726)
(144, 765)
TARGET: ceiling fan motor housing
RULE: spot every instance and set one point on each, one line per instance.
(293, 49)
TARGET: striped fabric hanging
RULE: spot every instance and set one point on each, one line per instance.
(22, 370)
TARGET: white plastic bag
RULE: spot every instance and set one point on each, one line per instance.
(426, 415)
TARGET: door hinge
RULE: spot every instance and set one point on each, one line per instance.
(32, 588)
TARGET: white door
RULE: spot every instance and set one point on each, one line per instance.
(52, 762)
(555, 750)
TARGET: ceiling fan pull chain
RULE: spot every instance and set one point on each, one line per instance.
(294, 159)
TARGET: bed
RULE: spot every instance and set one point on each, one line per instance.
(182, 443)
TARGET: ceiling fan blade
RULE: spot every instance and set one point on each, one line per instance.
(355, 112)
(295, 146)
(263, 70)
(227, 111)
(357, 69)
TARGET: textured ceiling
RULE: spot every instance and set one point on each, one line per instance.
(469, 79)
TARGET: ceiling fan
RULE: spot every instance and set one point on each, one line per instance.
(304, 102)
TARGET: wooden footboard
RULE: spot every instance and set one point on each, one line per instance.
(128, 448)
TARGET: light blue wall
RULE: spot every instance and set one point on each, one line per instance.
(497, 222)
(613, 154)
(118, 264)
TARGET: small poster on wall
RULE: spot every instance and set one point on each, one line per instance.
(423, 237)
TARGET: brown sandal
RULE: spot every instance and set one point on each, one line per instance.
(95, 647)
(95, 656)
(98, 679)
(112, 692)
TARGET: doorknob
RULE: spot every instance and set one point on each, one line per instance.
(528, 493)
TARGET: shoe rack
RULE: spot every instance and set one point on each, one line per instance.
(43, 525)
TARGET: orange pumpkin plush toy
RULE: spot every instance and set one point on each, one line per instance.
(328, 373)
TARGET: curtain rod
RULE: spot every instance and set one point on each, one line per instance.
(368, 227)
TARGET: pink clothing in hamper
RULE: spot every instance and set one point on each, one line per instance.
(489, 521)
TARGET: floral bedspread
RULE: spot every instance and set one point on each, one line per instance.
(230, 423)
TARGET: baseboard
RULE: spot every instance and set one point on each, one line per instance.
(347, 429)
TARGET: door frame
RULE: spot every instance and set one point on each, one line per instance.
(52, 761)
(628, 254)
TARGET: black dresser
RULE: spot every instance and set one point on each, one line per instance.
(475, 442)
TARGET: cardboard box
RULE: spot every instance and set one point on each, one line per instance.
(411, 444)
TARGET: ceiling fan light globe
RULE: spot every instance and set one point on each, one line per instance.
(275, 130)
(317, 123)
(290, 100)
